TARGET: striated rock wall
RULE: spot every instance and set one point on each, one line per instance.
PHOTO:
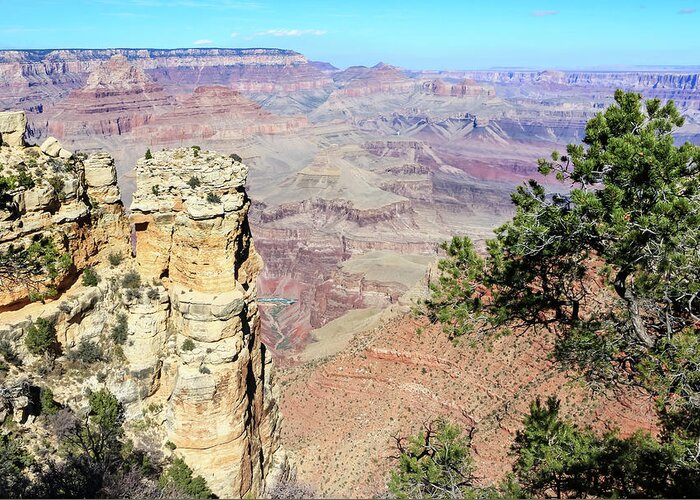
(72, 201)
(190, 367)
(190, 218)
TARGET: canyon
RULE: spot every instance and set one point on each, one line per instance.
(352, 180)
(344, 163)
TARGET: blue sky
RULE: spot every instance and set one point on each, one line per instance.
(426, 34)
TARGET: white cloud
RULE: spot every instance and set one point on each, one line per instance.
(545, 13)
(203, 41)
(687, 10)
(287, 32)
(234, 34)
(194, 4)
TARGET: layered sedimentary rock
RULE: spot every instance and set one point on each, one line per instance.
(466, 87)
(187, 363)
(71, 201)
(216, 113)
(120, 99)
(359, 80)
(117, 98)
(191, 231)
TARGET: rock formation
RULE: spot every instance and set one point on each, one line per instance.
(190, 368)
(72, 201)
(191, 230)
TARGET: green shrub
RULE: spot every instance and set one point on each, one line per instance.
(195, 151)
(153, 294)
(115, 259)
(148, 155)
(204, 370)
(57, 183)
(8, 353)
(87, 352)
(194, 182)
(46, 403)
(155, 190)
(24, 178)
(179, 476)
(41, 337)
(170, 445)
(133, 294)
(90, 277)
(236, 158)
(120, 330)
(187, 345)
(432, 462)
(132, 279)
(213, 198)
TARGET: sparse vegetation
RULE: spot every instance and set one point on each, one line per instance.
(58, 184)
(46, 402)
(188, 345)
(7, 351)
(194, 182)
(120, 330)
(90, 277)
(213, 198)
(115, 259)
(41, 337)
(131, 280)
(34, 267)
(179, 475)
(132, 294)
(86, 352)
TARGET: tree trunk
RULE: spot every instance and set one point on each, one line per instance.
(626, 293)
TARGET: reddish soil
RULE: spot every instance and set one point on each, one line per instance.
(340, 414)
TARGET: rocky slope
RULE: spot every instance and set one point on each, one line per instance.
(342, 412)
(72, 201)
(191, 369)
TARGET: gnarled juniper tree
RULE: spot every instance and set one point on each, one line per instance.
(612, 266)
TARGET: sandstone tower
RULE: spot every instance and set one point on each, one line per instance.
(191, 232)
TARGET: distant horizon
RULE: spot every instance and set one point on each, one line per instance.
(452, 35)
(601, 68)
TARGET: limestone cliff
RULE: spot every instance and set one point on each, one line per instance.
(190, 368)
(190, 218)
(71, 201)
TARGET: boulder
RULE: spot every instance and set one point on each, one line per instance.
(51, 147)
(100, 171)
(39, 198)
(12, 127)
